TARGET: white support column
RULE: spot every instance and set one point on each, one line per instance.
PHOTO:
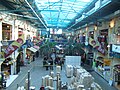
(24, 55)
(13, 31)
(12, 69)
(0, 40)
(0, 30)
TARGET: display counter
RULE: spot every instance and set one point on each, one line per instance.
(102, 67)
(30, 54)
(116, 72)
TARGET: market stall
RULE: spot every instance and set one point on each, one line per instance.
(30, 54)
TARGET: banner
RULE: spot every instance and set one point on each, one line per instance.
(100, 49)
(13, 46)
(93, 43)
(96, 45)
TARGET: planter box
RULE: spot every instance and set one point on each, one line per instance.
(73, 60)
(70, 63)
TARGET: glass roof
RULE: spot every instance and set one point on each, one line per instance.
(59, 13)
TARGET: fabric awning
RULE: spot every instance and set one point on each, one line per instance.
(32, 49)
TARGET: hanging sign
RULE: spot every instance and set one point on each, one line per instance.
(96, 45)
(93, 43)
(100, 49)
(13, 46)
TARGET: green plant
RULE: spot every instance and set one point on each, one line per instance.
(73, 49)
(46, 48)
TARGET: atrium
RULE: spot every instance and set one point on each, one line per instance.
(60, 44)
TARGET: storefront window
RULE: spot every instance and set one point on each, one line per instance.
(6, 31)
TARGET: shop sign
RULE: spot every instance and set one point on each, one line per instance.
(13, 46)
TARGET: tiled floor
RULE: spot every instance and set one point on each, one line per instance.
(37, 71)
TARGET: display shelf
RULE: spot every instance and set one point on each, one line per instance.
(97, 71)
(117, 86)
(103, 68)
(99, 61)
(103, 62)
(90, 58)
(104, 75)
(117, 73)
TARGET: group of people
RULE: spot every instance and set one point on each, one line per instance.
(48, 62)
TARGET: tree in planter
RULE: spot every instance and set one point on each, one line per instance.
(74, 49)
(68, 50)
(46, 48)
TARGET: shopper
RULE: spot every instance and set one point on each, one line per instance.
(60, 63)
(51, 63)
(42, 88)
(34, 57)
(1, 79)
(56, 60)
(46, 62)
(37, 54)
(83, 59)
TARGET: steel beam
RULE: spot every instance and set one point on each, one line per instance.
(15, 10)
(24, 16)
(35, 13)
(6, 4)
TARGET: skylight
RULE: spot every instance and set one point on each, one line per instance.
(59, 13)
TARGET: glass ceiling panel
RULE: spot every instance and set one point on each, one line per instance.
(59, 13)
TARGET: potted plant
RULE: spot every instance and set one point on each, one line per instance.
(74, 50)
(46, 48)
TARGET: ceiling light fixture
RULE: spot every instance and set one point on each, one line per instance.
(54, 0)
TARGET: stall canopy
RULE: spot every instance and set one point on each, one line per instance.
(36, 47)
(32, 49)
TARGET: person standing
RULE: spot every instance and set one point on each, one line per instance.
(42, 88)
(45, 62)
(51, 63)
